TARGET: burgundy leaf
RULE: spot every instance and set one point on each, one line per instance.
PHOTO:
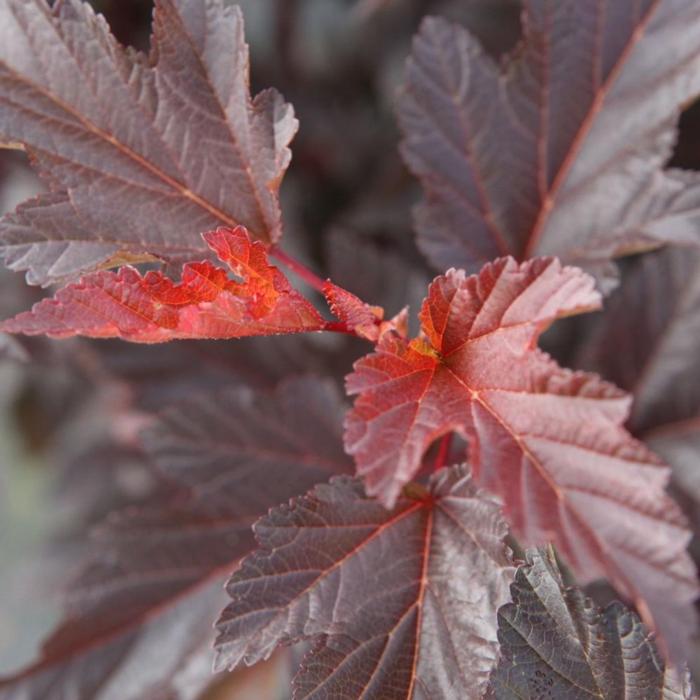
(406, 598)
(548, 441)
(142, 154)
(153, 309)
(556, 643)
(561, 150)
(153, 583)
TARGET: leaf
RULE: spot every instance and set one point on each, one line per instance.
(548, 441)
(141, 154)
(362, 319)
(556, 643)
(648, 342)
(561, 150)
(406, 597)
(154, 580)
(152, 308)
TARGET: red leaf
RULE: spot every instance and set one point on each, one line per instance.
(575, 650)
(407, 597)
(559, 151)
(141, 153)
(549, 441)
(153, 308)
(362, 319)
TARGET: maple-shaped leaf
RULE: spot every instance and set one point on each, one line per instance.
(153, 584)
(141, 153)
(151, 308)
(405, 598)
(548, 441)
(555, 643)
(559, 151)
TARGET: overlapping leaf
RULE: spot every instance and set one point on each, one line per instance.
(405, 598)
(561, 150)
(152, 308)
(555, 643)
(648, 342)
(141, 154)
(549, 441)
(149, 596)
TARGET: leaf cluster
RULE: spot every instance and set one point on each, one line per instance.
(392, 536)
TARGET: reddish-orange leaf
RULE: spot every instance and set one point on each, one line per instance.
(359, 317)
(549, 441)
(206, 303)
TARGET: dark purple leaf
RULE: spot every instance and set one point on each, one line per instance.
(561, 150)
(555, 643)
(405, 598)
(142, 154)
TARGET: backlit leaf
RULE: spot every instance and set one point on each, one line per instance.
(152, 308)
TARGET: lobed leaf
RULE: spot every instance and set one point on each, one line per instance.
(555, 643)
(146, 601)
(548, 441)
(152, 308)
(141, 153)
(405, 598)
(561, 150)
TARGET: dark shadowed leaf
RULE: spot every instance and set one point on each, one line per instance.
(151, 308)
(561, 150)
(142, 154)
(404, 598)
(147, 599)
(555, 643)
(548, 441)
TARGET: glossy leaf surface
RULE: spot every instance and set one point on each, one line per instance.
(151, 308)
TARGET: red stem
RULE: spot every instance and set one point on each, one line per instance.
(443, 452)
(310, 277)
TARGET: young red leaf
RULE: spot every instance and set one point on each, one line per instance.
(362, 319)
(154, 581)
(556, 643)
(549, 441)
(561, 150)
(152, 308)
(407, 597)
(141, 153)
